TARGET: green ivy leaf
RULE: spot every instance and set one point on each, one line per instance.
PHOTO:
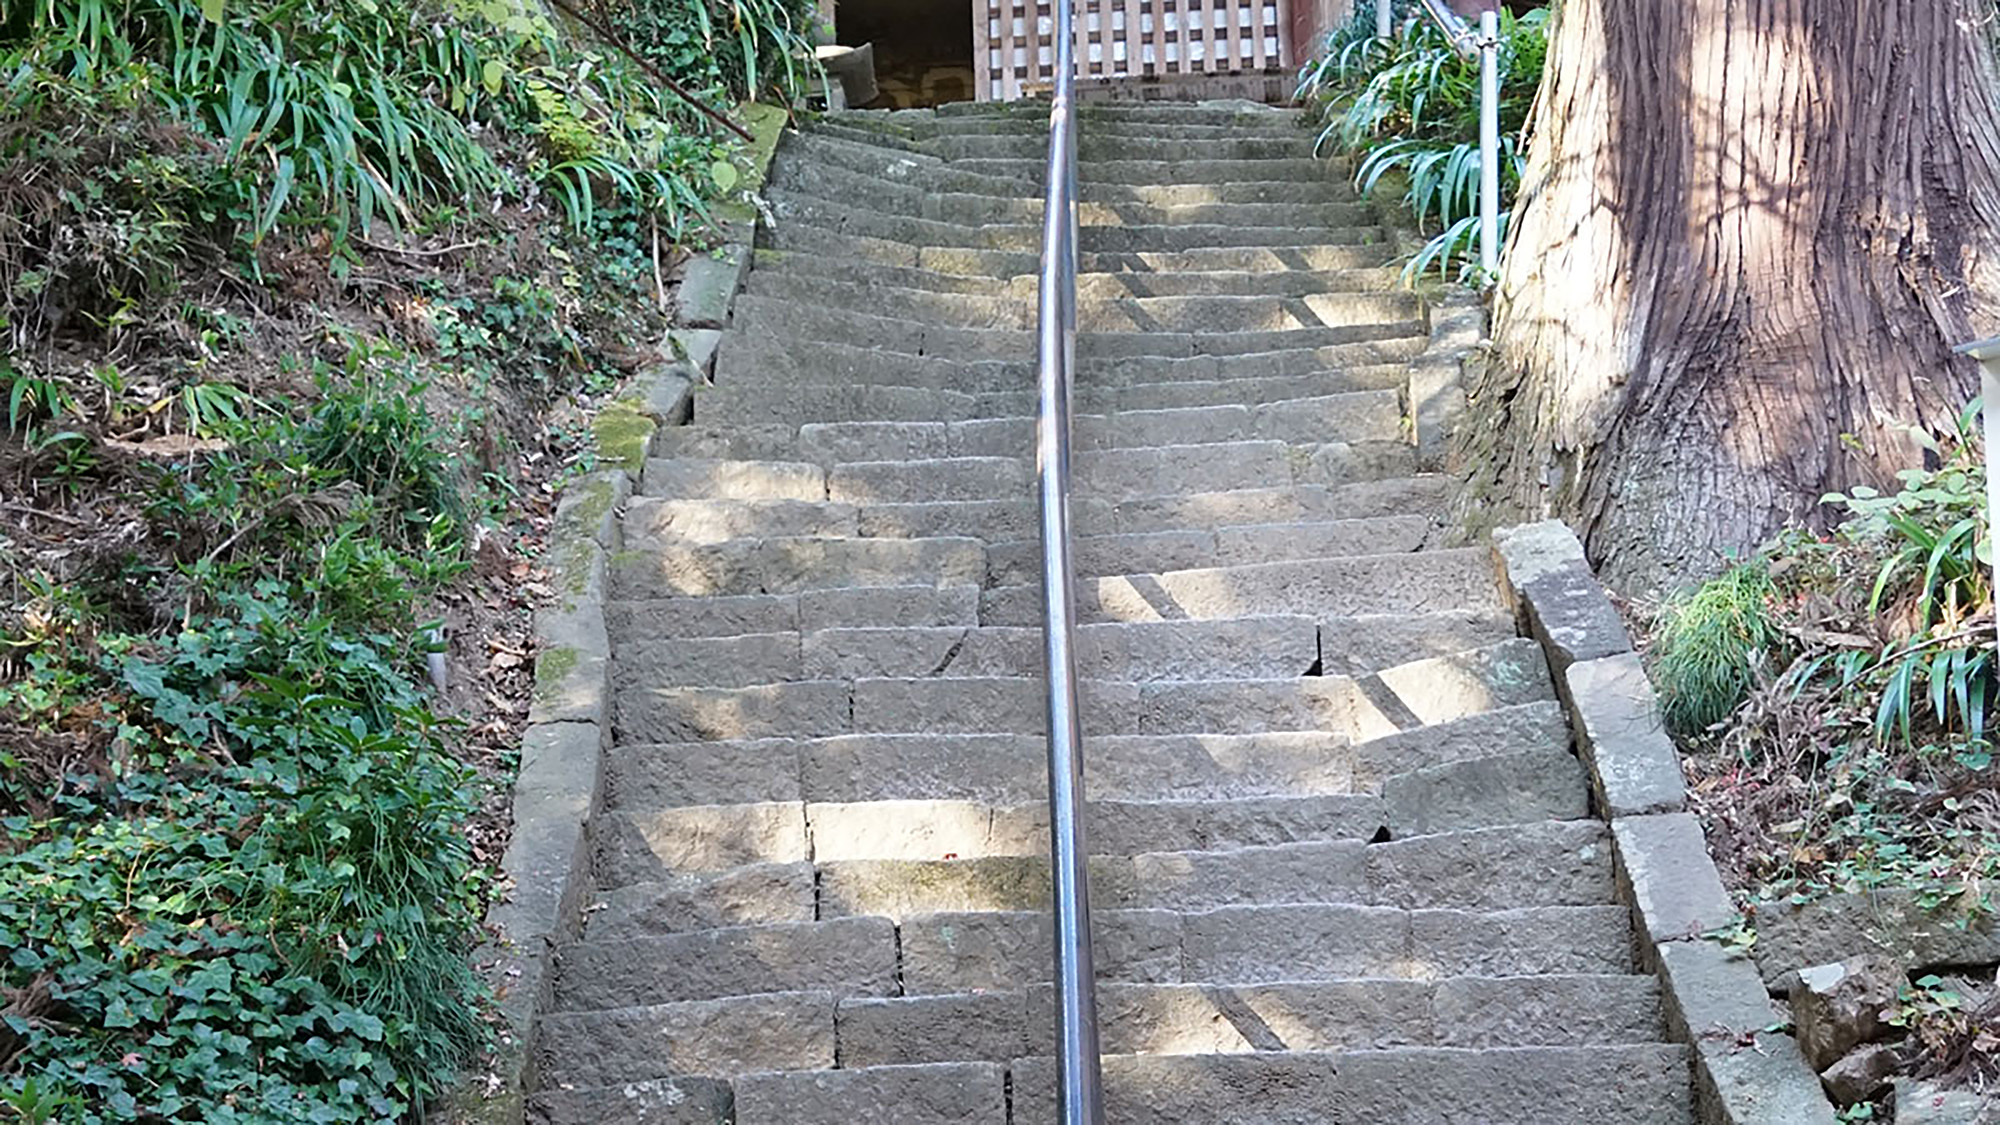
(211, 10)
(725, 175)
(492, 74)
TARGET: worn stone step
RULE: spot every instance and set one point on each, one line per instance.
(1242, 648)
(955, 952)
(1225, 1018)
(745, 358)
(1033, 122)
(1506, 787)
(808, 610)
(1500, 730)
(999, 769)
(1246, 648)
(1098, 148)
(965, 831)
(650, 519)
(1102, 473)
(798, 209)
(1307, 503)
(976, 261)
(656, 1101)
(1618, 1084)
(1019, 562)
(1105, 311)
(716, 1038)
(1302, 169)
(682, 901)
(930, 190)
(1413, 582)
(667, 568)
(1555, 863)
(663, 848)
(700, 479)
(799, 320)
(941, 1094)
(1090, 286)
(1309, 410)
(845, 956)
(1356, 416)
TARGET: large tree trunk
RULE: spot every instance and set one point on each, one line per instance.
(1749, 228)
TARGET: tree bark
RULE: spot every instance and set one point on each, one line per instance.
(1749, 234)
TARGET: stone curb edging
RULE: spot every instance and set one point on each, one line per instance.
(545, 872)
(1747, 1072)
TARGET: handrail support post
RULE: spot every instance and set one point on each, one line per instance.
(1489, 143)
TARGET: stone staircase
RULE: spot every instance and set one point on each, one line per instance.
(1343, 868)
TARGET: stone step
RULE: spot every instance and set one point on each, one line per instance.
(844, 170)
(1090, 286)
(1553, 863)
(796, 320)
(1365, 417)
(1613, 1084)
(1111, 474)
(1001, 944)
(1120, 312)
(1244, 648)
(718, 1038)
(747, 360)
(945, 1094)
(1416, 582)
(1300, 169)
(789, 209)
(964, 199)
(807, 610)
(1223, 1018)
(660, 846)
(709, 479)
(654, 568)
(1094, 149)
(846, 956)
(1019, 562)
(1034, 122)
(1306, 503)
(794, 238)
(957, 952)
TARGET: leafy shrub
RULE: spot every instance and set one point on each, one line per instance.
(136, 138)
(740, 48)
(1406, 110)
(1860, 754)
(247, 895)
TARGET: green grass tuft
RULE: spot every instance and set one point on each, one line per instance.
(1709, 645)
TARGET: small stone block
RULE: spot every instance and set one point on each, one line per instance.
(1635, 766)
(709, 286)
(1664, 865)
(1758, 1080)
(1556, 596)
(696, 346)
(1921, 1102)
(553, 795)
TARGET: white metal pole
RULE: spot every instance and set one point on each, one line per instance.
(1489, 142)
(1989, 410)
(1385, 20)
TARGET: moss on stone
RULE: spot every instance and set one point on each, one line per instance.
(624, 435)
(587, 503)
(552, 667)
(765, 123)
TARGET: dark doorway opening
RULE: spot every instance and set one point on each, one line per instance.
(923, 48)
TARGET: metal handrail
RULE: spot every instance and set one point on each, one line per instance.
(1079, 1081)
(1485, 44)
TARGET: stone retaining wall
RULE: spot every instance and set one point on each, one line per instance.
(1746, 1071)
